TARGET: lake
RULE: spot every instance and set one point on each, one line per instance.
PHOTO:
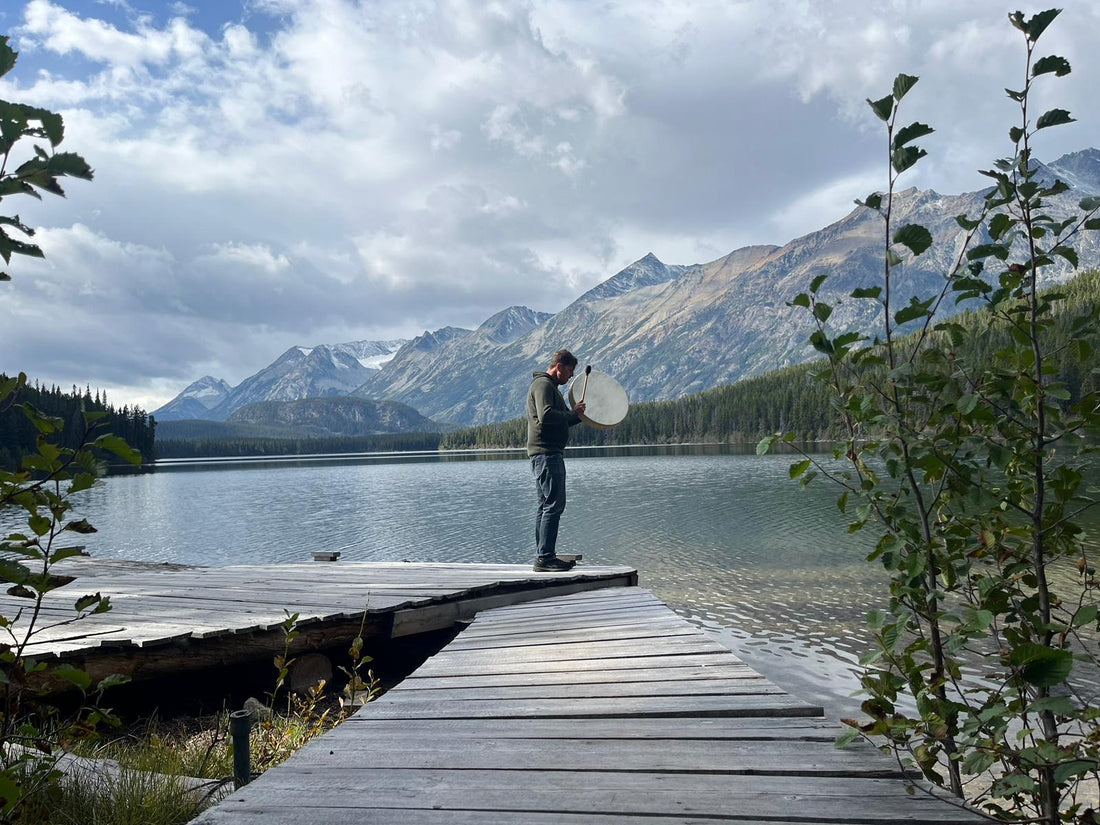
(723, 537)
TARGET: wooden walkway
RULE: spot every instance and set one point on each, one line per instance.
(598, 708)
(166, 619)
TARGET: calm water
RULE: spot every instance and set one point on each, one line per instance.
(725, 539)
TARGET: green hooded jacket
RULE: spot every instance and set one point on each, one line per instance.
(548, 417)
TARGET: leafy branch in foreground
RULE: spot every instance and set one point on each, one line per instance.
(32, 730)
(39, 172)
(970, 461)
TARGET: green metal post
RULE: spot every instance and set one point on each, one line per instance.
(240, 725)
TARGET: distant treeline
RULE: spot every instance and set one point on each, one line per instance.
(789, 399)
(18, 435)
(207, 447)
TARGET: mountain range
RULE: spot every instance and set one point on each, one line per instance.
(300, 372)
(662, 330)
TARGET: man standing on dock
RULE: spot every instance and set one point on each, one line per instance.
(548, 421)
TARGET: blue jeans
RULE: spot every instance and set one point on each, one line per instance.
(549, 472)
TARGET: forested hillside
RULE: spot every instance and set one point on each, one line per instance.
(271, 446)
(18, 434)
(788, 399)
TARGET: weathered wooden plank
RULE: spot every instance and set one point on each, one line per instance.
(275, 815)
(717, 729)
(656, 622)
(350, 748)
(537, 610)
(707, 656)
(667, 648)
(608, 689)
(618, 707)
(865, 801)
(425, 618)
(582, 677)
(664, 628)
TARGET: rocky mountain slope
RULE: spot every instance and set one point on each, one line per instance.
(300, 372)
(335, 416)
(196, 400)
(662, 330)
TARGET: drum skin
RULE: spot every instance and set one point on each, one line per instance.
(605, 399)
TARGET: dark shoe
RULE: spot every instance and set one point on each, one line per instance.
(553, 565)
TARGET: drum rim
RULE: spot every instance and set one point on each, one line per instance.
(579, 377)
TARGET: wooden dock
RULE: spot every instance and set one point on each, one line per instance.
(168, 618)
(594, 708)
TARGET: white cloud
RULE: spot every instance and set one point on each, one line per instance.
(269, 172)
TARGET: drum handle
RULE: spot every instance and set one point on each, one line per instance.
(584, 389)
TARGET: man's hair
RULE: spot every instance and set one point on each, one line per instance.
(563, 356)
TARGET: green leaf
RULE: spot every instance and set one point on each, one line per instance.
(45, 424)
(985, 250)
(1042, 666)
(1014, 783)
(915, 237)
(867, 292)
(822, 312)
(902, 84)
(967, 223)
(13, 571)
(798, 468)
(1086, 615)
(967, 404)
(74, 675)
(1060, 705)
(821, 343)
(846, 738)
(1016, 134)
(816, 283)
(1074, 767)
(1055, 117)
(40, 525)
(903, 158)
(873, 201)
(84, 602)
(911, 132)
(915, 309)
(1034, 27)
(119, 447)
(82, 481)
(1067, 252)
(1000, 224)
(977, 762)
(112, 680)
(80, 526)
(8, 56)
(800, 300)
(765, 444)
(1051, 63)
(882, 107)
(62, 553)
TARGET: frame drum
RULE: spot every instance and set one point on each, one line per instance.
(604, 398)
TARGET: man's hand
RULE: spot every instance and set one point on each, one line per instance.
(579, 407)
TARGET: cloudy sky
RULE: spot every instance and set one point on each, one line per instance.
(271, 173)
